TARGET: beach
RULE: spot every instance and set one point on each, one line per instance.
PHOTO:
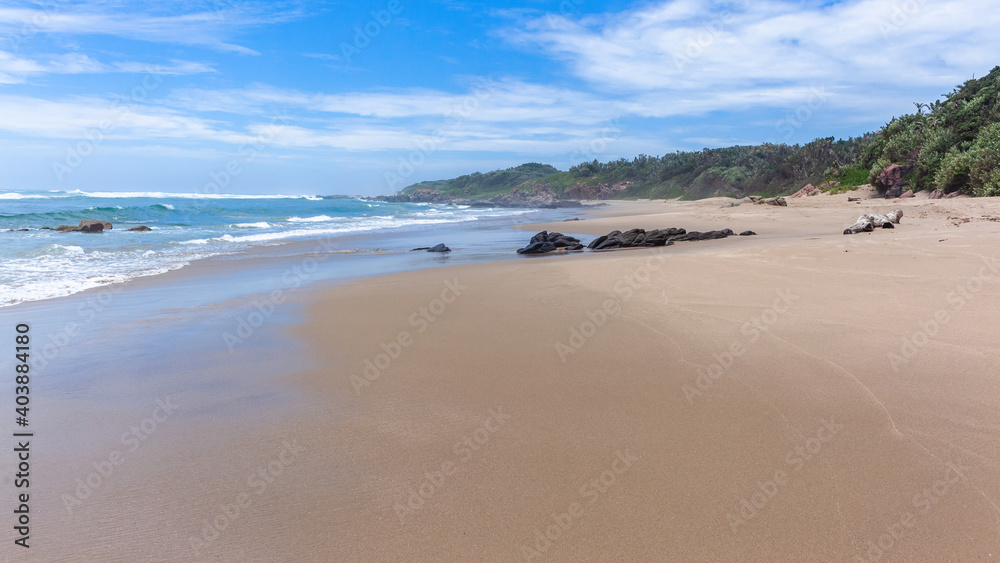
(795, 395)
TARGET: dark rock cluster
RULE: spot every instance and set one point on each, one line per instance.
(545, 242)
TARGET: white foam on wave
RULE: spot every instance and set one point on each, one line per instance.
(187, 195)
(315, 219)
(260, 225)
(68, 249)
(67, 269)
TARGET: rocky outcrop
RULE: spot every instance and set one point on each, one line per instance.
(893, 179)
(598, 191)
(709, 235)
(808, 190)
(536, 196)
(906, 194)
(748, 234)
(868, 223)
(936, 194)
(141, 229)
(894, 192)
(635, 238)
(85, 227)
(545, 242)
(828, 184)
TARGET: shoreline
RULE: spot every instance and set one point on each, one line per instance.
(481, 433)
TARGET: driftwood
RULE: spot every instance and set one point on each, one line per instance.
(868, 223)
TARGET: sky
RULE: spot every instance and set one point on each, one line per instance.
(367, 97)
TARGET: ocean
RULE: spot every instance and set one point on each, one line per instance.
(42, 264)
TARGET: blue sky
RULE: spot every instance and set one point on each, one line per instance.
(368, 97)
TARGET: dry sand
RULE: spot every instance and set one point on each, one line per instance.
(746, 399)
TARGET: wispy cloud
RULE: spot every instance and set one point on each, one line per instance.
(204, 27)
(15, 69)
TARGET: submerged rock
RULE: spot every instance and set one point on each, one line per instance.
(439, 248)
(141, 228)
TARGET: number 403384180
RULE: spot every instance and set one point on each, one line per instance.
(21, 368)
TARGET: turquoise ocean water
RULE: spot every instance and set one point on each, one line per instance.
(40, 264)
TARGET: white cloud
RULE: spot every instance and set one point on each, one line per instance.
(15, 69)
(209, 28)
(681, 56)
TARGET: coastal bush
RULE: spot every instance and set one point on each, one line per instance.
(984, 162)
(953, 173)
(953, 141)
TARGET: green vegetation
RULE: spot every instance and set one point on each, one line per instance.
(487, 185)
(953, 143)
(735, 171)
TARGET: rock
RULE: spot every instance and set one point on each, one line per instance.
(439, 248)
(91, 227)
(747, 234)
(829, 184)
(69, 229)
(807, 190)
(573, 219)
(780, 201)
(894, 192)
(23, 230)
(952, 194)
(894, 174)
(936, 194)
(907, 193)
(545, 242)
(854, 199)
(537, 248)
(141, 229)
